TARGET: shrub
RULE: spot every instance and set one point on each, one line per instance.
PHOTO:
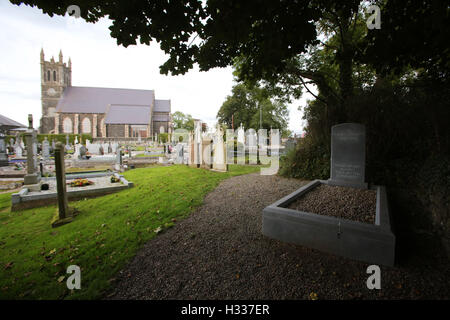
(306, 161)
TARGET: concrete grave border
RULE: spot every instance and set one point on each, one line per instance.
(373, 243)
(23, 200)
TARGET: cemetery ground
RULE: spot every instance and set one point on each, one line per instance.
(106, 233)
(186, 233)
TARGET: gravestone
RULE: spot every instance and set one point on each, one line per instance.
(241, 135)
(83, 152)
(198, 152)
(191, 150)
(252, 146)
(207, 159)
(3, 154)
(219, 159)
(118, 164)
(22, 145)
(32, 179)
(64, 214)
(18, 150)
(76, 154)
(179, 148)
(45, 149)
(348, 155)
(68, 146)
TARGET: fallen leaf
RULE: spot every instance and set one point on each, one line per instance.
(313, 296)
(60, 279)
(9, 265)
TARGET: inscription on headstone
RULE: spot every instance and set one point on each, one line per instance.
(348, 155)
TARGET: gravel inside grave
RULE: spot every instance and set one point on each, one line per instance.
(219, 252)
(340, 202)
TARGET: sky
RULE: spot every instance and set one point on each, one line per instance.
(97, 61)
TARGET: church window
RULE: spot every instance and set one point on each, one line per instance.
(86, 125)
(54, 75)
(67, 125)
(48, 75)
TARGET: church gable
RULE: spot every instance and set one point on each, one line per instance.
(101, 112)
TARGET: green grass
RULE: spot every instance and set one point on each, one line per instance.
(143, 155)
(103, 237)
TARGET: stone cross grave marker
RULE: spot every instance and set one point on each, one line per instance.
(118, 164)
(33, 178)
(348, 155)
(64, 214)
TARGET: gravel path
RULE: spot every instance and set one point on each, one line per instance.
(342, 202)
(218, 252)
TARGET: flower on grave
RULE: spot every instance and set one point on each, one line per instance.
(114, 179)
(80, 182)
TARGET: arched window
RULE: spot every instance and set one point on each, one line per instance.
(161, 129)
(54, 75)
(67, 125)
(48, 75)
(86, 125)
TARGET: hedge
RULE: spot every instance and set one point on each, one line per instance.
(57, 137)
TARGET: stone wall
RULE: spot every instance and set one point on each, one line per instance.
(115, 130)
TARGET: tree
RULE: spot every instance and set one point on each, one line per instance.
(182, 121)
(243, 106)
(267, 33)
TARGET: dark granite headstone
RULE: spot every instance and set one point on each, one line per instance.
(348, 155)
(3, 154)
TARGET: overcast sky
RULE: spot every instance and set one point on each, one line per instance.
(97, 61)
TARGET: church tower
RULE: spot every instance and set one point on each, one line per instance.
(55, 77)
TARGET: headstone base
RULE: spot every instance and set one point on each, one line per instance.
(33, 178)
(219, 167)
(34, 187)
(341, 183)
(61, 222)
(57, 222)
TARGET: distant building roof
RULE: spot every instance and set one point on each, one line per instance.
(128, 114)
(8, 123)
(96, 100)
(162, 106)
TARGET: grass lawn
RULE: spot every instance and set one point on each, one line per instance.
(95, 168)
(143, 155)
(103, 237)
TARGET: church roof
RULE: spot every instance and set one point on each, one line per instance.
(128, 114)
(162, 106)
(97, 100)
(7, 123)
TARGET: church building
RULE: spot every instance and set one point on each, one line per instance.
(101, 112)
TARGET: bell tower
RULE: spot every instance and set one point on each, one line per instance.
(55, 77)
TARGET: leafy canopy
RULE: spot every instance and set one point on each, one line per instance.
(244, 106)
